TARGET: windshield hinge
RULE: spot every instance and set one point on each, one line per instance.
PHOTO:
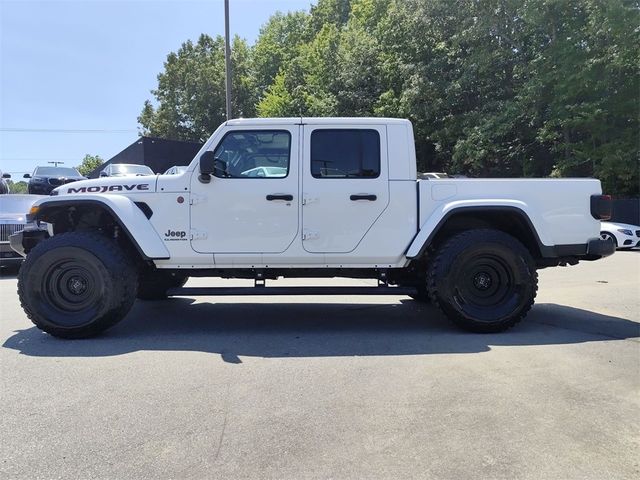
(306, 200)
(198, 234)
(309, 235)
(195, 198)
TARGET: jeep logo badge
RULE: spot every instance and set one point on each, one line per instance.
(174, 235)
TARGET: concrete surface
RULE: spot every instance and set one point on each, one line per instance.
(341, 387)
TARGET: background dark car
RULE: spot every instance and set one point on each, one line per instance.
(4, 186)
(45, 179)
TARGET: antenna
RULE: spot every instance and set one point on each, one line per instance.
(227, 60)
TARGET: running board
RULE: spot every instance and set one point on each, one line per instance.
(238, 291)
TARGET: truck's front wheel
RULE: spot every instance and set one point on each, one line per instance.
(76, 284)
(484, 280)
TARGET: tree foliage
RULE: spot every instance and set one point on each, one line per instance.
(191, 90)
(18, 187)
(493, 88)
(89, 164)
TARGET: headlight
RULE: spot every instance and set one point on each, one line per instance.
(38, 180)
(626, 232)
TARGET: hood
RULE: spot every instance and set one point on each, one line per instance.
(62, 177)
(117, 185)
(15, 205)
(625, 226)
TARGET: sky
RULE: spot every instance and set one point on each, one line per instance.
(74, 74)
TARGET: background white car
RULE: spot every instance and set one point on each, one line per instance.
(125, 170)
(176, 170)
(624, 235)
(278, 172)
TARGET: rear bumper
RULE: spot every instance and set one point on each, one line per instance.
(594, 249)
(598, 248)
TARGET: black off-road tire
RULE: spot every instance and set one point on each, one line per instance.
(153, 284)
(77, 284)
(484, 280)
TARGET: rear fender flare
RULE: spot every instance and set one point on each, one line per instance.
(445, 211)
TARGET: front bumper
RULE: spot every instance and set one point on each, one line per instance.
(8, 256)
(25, 240)
(40, 188)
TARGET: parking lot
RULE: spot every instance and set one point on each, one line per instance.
(337, 387)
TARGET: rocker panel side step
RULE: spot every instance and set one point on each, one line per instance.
(266, 291)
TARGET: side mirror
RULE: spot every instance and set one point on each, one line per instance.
(210, 165)
(26, 175)
(104, 174)
(6, 175)
(207, 163)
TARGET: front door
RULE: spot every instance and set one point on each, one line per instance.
(251, 203)
(345, 185)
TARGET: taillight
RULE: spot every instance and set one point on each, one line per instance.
(601, 207)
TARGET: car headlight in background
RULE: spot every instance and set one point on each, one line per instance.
(626, 232)
(38, 180)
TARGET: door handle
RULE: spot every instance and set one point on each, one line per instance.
(279, 196)
(371, 198)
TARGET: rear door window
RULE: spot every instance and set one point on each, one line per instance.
(345, 153)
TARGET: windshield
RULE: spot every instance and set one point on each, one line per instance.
(135, 169)
(57, 171)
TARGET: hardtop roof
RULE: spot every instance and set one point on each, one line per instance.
(317, 121)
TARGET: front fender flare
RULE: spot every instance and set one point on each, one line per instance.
(124, 211)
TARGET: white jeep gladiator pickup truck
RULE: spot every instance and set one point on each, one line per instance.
(303, 197)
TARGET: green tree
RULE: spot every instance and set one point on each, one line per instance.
(330, 12)
(190, 98)
(17, 187)
(89, 164)
(307, 86)
(505, 88)
(494, 88)
(278, 43)
(583, 88)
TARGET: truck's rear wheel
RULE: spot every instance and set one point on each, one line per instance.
(483, 280)
(76, 284)
(153, 284)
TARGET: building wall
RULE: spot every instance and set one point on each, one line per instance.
(157, 153)
(626, 210)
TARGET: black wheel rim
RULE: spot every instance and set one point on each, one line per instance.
(487, 287)
(73, 289)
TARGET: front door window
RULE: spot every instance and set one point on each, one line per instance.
(254, 154)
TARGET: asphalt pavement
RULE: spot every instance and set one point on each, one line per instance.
(331, 387)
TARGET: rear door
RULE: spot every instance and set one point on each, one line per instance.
(345, 185)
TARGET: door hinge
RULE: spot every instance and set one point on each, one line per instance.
(195, 198)
(309, 235)
(198, 234)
